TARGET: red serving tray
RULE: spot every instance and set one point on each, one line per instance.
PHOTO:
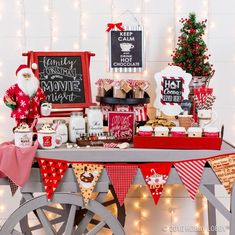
(209, 143)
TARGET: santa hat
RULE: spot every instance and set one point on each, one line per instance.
(26, 68)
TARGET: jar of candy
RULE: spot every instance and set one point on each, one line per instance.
(94, 120)
(77, 126)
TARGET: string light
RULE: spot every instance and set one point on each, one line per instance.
(1, 192)
(2, 208)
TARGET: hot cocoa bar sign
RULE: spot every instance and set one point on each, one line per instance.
(126, 50)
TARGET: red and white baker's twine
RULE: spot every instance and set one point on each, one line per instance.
(110, 145)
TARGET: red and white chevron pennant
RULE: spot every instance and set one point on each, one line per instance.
(190, 173)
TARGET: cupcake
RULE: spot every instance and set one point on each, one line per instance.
(161, 131)
(178, 131)
(145, 131)
(194, 132)
(211, 132)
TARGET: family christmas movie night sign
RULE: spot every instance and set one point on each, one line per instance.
(61, 78)
(64, 77)
(126, 50)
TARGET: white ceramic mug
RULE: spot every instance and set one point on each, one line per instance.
(23, 138)
(49, 140)
(206, 117)
(126, 46)
(46, 109)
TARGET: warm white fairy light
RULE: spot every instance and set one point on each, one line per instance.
(212, 25)
(168, 201)
(137, 205)
(76, 4)
(1, 192)
(46, 8)
(27, 23)
(168, 191)
(2, 208)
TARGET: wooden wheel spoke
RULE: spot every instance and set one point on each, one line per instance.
(82, 225)
(97, 228)
(95, 222)
(53, 210)
(15, 232)
(53, 221)
(108, 203)
(71, 219)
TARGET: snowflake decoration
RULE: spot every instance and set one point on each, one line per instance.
(21, 93)
(22, 103)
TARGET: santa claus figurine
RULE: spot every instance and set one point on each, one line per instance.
(25, 97)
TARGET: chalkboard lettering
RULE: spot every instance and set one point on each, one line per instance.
(172, 91)
(61, 78)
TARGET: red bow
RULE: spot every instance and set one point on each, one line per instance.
(112, 26)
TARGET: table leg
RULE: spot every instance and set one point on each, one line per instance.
(232, 209)
(211, 211)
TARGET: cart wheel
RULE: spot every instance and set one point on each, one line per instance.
(63, 210)
(68, 226)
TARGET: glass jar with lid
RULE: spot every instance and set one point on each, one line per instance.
(77, 126)
(61, 129)
(94, 120)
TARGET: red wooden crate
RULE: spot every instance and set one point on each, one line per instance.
(210, 143)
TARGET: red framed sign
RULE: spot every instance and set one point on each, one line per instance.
(121, 124)
(64, 78)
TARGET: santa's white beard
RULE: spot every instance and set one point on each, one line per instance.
(28, 86)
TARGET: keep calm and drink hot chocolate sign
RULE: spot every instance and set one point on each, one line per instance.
(126, 50)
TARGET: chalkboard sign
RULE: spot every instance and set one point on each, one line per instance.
(64, 77)
(172, 90)
(126, 50)
(61, 79)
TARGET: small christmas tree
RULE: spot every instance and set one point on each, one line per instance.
(190, 54)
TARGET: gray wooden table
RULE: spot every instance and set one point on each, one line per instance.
(76, 217)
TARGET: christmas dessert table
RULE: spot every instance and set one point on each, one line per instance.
(75, 215)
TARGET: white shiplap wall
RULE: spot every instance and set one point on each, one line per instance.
(78, 25)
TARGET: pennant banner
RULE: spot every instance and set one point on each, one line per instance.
(224, 168)
(13, 187)
(52, 172)
(190, 173)
(155, 176)
(87, 176)
(121, 177)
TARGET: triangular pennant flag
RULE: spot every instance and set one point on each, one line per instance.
(52, 172)
(13, 187)
(121, 177)
(190, 173)
(155, 176)
(87, 176)
(224, 168)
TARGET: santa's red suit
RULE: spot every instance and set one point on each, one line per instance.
(25, 96)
